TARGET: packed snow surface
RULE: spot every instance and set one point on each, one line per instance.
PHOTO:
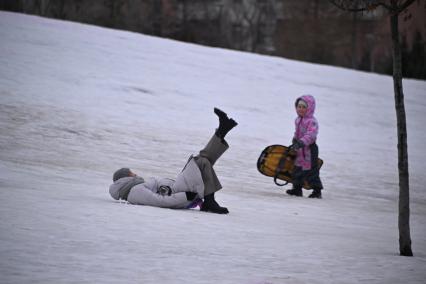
(78, 102)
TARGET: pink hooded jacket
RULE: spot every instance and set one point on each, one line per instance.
(306, 131)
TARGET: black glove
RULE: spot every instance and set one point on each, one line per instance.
(297, 144)
(164, 190)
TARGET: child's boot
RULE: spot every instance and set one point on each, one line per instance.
(295, 191)
(316, 194)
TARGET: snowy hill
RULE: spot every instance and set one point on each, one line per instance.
(77, 102)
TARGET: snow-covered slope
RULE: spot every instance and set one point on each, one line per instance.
(77, 102)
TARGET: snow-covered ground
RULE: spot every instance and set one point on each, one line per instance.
(77, 102)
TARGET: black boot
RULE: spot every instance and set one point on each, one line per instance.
(210, 205)
(225, 123)
(295, 192)
(316, 194)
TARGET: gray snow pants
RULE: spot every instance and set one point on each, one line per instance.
(205, 161)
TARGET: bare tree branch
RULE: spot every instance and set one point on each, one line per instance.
(351, 6)
(361, 6)
(405, 5)
(383, 4)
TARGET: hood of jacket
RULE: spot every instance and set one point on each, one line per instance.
(121, 187)
(310, 101)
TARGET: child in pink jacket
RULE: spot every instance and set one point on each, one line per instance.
(304, 142)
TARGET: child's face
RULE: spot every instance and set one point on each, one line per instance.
(301, 110)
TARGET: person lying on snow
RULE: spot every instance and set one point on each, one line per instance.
(194, 186)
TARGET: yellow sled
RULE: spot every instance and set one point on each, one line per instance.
(277, 161)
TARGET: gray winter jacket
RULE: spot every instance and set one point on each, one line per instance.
(149, 193)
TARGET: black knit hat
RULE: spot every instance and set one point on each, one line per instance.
(121, 173)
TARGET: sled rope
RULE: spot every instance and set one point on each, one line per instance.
(280, 167)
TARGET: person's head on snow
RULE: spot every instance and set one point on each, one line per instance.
(305, 106)
(121, 173)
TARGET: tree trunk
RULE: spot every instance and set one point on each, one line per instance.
(354, 41)
(404, 193)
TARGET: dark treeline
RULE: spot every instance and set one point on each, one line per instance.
(308, 30)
